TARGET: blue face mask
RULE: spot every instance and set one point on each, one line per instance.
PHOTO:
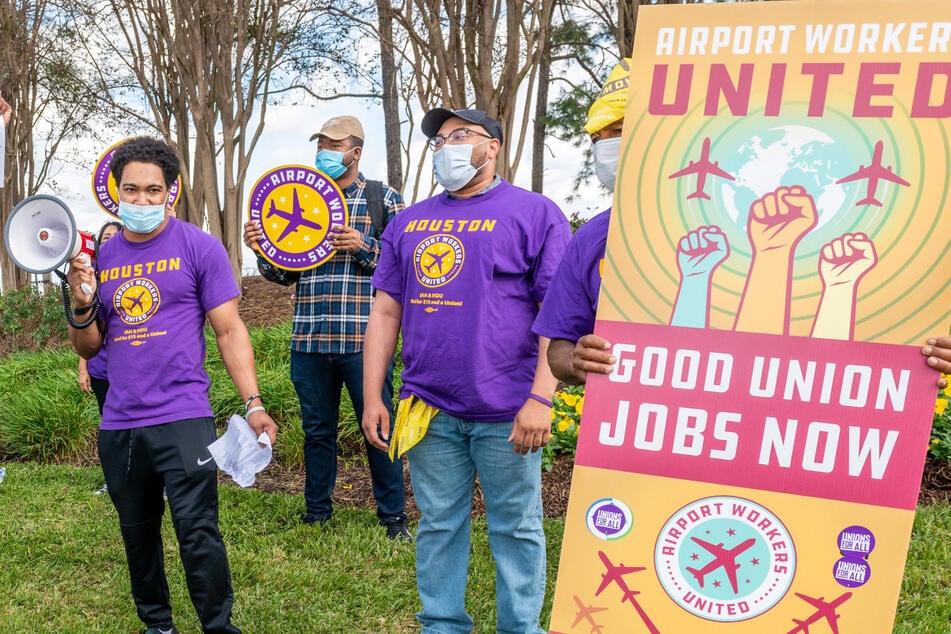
(141, 218)
(452, 166)
(330, 162)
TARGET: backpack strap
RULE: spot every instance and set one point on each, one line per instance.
(373, 191)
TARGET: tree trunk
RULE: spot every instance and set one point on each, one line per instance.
(391, 116)
(541, 108)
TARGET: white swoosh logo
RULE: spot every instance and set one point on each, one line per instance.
(206, 461)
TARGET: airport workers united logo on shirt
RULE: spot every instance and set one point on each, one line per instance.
(106, 191)
(725, 559)
(136, 301)
(438, 259)
(295, 205)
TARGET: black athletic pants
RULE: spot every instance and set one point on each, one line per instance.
(100, 387)
(137, 464)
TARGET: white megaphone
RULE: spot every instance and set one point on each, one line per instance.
(41, 235)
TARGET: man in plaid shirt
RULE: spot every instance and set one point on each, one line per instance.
(330, 314)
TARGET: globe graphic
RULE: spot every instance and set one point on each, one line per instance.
(783, 156)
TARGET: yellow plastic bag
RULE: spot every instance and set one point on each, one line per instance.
(412, 423)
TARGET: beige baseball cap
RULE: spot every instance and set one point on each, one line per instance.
(339, 128)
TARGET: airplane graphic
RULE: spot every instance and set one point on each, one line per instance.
(702, 168)
(873, 173)
(295, 218)
(586, 612)
(722, 558)
(824, 610)
(615, 574)
(437, 261)
(136, 301)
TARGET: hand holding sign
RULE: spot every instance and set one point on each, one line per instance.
(344, 238)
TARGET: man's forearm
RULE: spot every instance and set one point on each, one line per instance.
(545, 380)
(86, 341)
(379, 346)
(379, 343)
(560, 353)
(237, 355)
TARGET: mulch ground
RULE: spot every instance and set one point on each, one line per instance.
(354, 489)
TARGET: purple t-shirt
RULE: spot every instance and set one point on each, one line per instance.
(156, 295)
(96, 367)
(572, 299)
(469, 274)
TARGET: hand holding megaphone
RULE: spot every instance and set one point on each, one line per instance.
(81, 277)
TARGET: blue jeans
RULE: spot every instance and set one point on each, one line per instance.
(318, 379)
(443, 466)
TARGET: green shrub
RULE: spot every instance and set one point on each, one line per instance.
(31, 320)
(46, 417)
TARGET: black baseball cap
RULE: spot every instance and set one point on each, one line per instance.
(438, 116)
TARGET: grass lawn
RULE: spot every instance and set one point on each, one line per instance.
(63, 568)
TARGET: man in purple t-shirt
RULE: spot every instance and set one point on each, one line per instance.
(462, 275)
(158, 281)
(567, 316)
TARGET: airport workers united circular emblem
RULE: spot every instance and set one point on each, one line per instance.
(438, 259)
(136, 300)
(725, 559)
(296, 207)
(106, 190)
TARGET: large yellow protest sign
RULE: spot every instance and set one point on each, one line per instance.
(778, 253)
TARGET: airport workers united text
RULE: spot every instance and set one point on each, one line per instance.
(675, 88)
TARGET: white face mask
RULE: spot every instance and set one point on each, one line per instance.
(606, 154)
(452, 166)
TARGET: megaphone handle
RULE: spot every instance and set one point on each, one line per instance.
(94, 307)
(86, 289)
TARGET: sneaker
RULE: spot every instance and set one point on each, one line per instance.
(103, 489)
(161, 630)
(314, 519)
(398, 531)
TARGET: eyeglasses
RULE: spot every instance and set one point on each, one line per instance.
(457, 136)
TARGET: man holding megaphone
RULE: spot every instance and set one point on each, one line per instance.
(158, 281)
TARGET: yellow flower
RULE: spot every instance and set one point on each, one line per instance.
(579, 405)
(563, 424)
(569, 399)
(935, 441)
(940, 405)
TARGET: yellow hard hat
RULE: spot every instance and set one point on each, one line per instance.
(612, 102)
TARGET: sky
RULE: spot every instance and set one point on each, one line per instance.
(285, 140)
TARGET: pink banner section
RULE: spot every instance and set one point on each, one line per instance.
(842, 420)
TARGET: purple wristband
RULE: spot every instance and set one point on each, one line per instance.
(543, 401)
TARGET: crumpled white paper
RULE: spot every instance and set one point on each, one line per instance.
(238, 454)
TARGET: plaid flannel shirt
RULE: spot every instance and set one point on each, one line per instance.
(333, 300)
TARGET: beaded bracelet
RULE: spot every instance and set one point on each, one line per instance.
(247, 403)
(256, 408)
(543, 401)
